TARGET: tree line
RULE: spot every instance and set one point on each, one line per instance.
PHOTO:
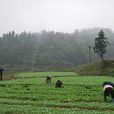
(51, 48)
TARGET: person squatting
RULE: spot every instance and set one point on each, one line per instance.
(59, 84)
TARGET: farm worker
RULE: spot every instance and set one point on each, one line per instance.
(108, 89)
(48, 79)
(1, 73)
(59, 84)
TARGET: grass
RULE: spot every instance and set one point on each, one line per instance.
(44, 74)
(80, 95)
(107, 68)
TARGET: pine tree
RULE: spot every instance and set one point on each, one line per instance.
(101, 44)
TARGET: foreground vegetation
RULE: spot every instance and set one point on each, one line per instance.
(80, 95)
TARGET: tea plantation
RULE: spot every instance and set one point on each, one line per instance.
(28, 94)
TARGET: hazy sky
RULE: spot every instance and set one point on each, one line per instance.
(57, 15)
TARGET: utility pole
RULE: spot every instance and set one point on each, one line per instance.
(89, 47)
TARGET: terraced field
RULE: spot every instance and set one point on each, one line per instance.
(80, 95)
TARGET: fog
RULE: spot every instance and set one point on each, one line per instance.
(57, 15)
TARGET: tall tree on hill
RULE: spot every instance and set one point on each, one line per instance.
(101, 44)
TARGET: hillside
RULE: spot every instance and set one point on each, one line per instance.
(96, 68)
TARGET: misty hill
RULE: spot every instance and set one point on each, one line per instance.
(96, 68)
(51, 48)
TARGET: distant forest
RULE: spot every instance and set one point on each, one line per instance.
(52, 48)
